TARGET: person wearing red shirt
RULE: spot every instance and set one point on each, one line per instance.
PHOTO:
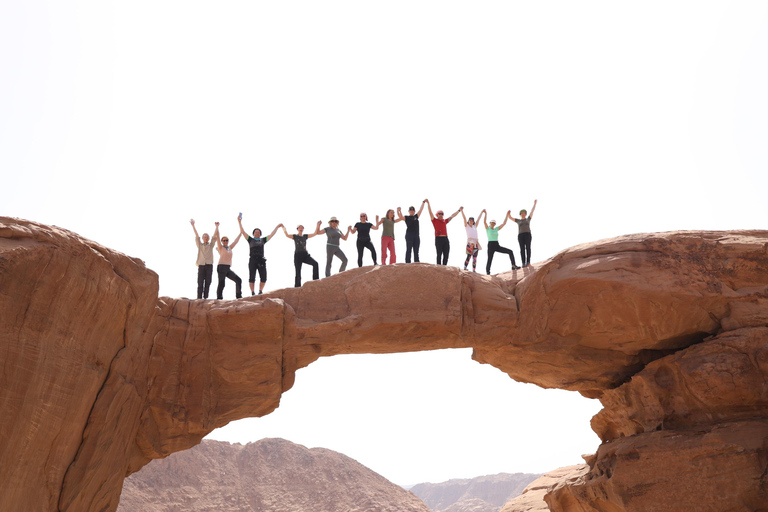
(442, 245)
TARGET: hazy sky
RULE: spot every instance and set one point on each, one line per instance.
(122, 120)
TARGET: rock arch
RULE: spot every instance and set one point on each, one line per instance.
(669, 330)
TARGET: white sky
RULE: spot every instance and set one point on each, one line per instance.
(122, 120)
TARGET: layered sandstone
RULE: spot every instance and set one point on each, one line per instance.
(271, 475)
(100, 376)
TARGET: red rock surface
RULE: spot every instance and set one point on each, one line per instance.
(271, 475)
(100, 376)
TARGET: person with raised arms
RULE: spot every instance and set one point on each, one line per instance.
(524, 233)
(388, 235)
(440, 223)
(412, 238)
(363, 230)
(224, 268)
(257, 261)
(301, 255)
(332, 247)
(473, 243)
(493, 241)
(204, 262)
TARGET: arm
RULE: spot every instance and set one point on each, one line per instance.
(353, 230)
(286, 233)
(194, 228)
(463, 216)
(421, 209)
(216, 236)
(509, 214)
(399, 215)
(429, 208)
(274, 231)
(317, 230)
(534, 207)
(344, 236)
(242, 231)
(235, 242)
(485, 220)
(457, 212)
(378, 223)
(506, 217)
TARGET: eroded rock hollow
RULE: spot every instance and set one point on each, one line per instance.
(668, 330)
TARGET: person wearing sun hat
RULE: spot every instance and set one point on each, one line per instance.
(442, 245)
(332, 247)
(301, 255)
(524, 233)
(493, 242)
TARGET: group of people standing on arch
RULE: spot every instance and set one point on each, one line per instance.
(258, 264)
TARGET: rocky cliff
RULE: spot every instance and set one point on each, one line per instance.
(669, 330)
(271, 475)
(481, 494)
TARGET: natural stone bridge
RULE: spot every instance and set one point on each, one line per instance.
(669, 330)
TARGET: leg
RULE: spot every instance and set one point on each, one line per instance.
(298, 259)
(511, 255)
(252, 266)
(438, 248)
(343, 258)
(208, 279)
(262, 275)
(315, 266)
(492, 246)
(370, 246)
(221, 270)
(416, 245)
(392, 254)
(446, 251)
(238, 282)
(475, 251)
(200, 280)
(528, 238)
(408, 247)
(329, 250)
(384, 250)
(469, 255)
(360, 247)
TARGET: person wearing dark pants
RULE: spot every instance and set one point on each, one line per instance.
(442, 245)
(301, 256)
(332, 247)
(204, 263)
(224, 268)
(412, 238)
(257, 261)
(363, 230)
(493, 242)
(524, 233)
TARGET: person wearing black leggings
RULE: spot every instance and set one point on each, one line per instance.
(363, 230)
(493, 242)
(301, 256)
(524, 233)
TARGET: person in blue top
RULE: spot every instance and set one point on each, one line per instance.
(493, 241)
(257, 262)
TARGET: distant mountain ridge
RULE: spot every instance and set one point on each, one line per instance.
(481, 494)
(271, 475)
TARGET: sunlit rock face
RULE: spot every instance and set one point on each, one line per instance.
(101, 376)
(272, 475)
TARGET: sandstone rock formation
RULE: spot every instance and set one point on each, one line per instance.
(271, 475)
(532, 499)
(100, 376)
(481, 494)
